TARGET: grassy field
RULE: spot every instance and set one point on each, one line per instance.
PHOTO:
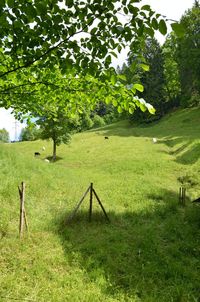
(151, 249)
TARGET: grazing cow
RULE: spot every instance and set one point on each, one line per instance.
(46, 160)
(106, 137)
(154, 140)
(37, 153)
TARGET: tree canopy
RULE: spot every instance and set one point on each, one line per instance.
(80, 34)
(78, 37)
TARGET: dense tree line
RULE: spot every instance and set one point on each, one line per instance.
(188, 57)
(173, 77)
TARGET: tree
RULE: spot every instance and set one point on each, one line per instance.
(148, 68)
(57, 130)
(29, 133)
(4, 135)
(188, 54)
(171, 72)
(67, 97)
(154, 79)
(78, 37)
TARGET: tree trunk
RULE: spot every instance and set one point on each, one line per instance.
(54, 150)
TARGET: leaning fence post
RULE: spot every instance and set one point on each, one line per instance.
(92, 191)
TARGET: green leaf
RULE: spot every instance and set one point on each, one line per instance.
(162, 27)
(178, 29)
(113, 79)
(108, 60)
(93, 31)
(149, 31)
(114, 102)
(126, 10)
(152, 110)
(155, 23)
(121, 77)
(119, 48)
(143, 108)
(131, 110)
(138, 87)
(119, 109)
(114, 54)
(108, 100)
(145, 67)
(146, 7)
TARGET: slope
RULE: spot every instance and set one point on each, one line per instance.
(149, 252)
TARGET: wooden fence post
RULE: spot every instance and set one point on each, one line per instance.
(182, 195)
(23, 217)
(92, 191)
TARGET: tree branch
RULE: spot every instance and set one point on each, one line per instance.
(49, 50)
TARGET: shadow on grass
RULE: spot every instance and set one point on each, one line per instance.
(50, 158)
(152, 255)
(173, 130)
(172, 142)
(190, 156)
(190, 153)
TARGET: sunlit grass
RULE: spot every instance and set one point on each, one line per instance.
(150, 250)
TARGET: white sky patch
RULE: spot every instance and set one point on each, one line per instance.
(171, 9)
(8, 122)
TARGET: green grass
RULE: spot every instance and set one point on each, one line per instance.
(151, 249)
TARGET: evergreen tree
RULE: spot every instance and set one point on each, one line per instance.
(188, 56)
(154, 80)
(171, 73)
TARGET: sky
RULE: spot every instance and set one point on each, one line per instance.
(8, 122)
(172, 9)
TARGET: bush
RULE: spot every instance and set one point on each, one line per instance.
(195, 99)
(98, 121)
(86, 122)
(30, 133)
(4, 135)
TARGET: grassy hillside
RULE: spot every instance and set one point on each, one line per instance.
(151, 249)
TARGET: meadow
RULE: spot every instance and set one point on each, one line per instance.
(149, 252)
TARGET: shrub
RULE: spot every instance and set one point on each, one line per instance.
(98, 121)
(4, 135)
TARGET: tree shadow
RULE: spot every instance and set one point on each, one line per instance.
(190, 156)
(186, 152)
(50, 158)
(149, 255)
(177, 132)
(171, 141)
